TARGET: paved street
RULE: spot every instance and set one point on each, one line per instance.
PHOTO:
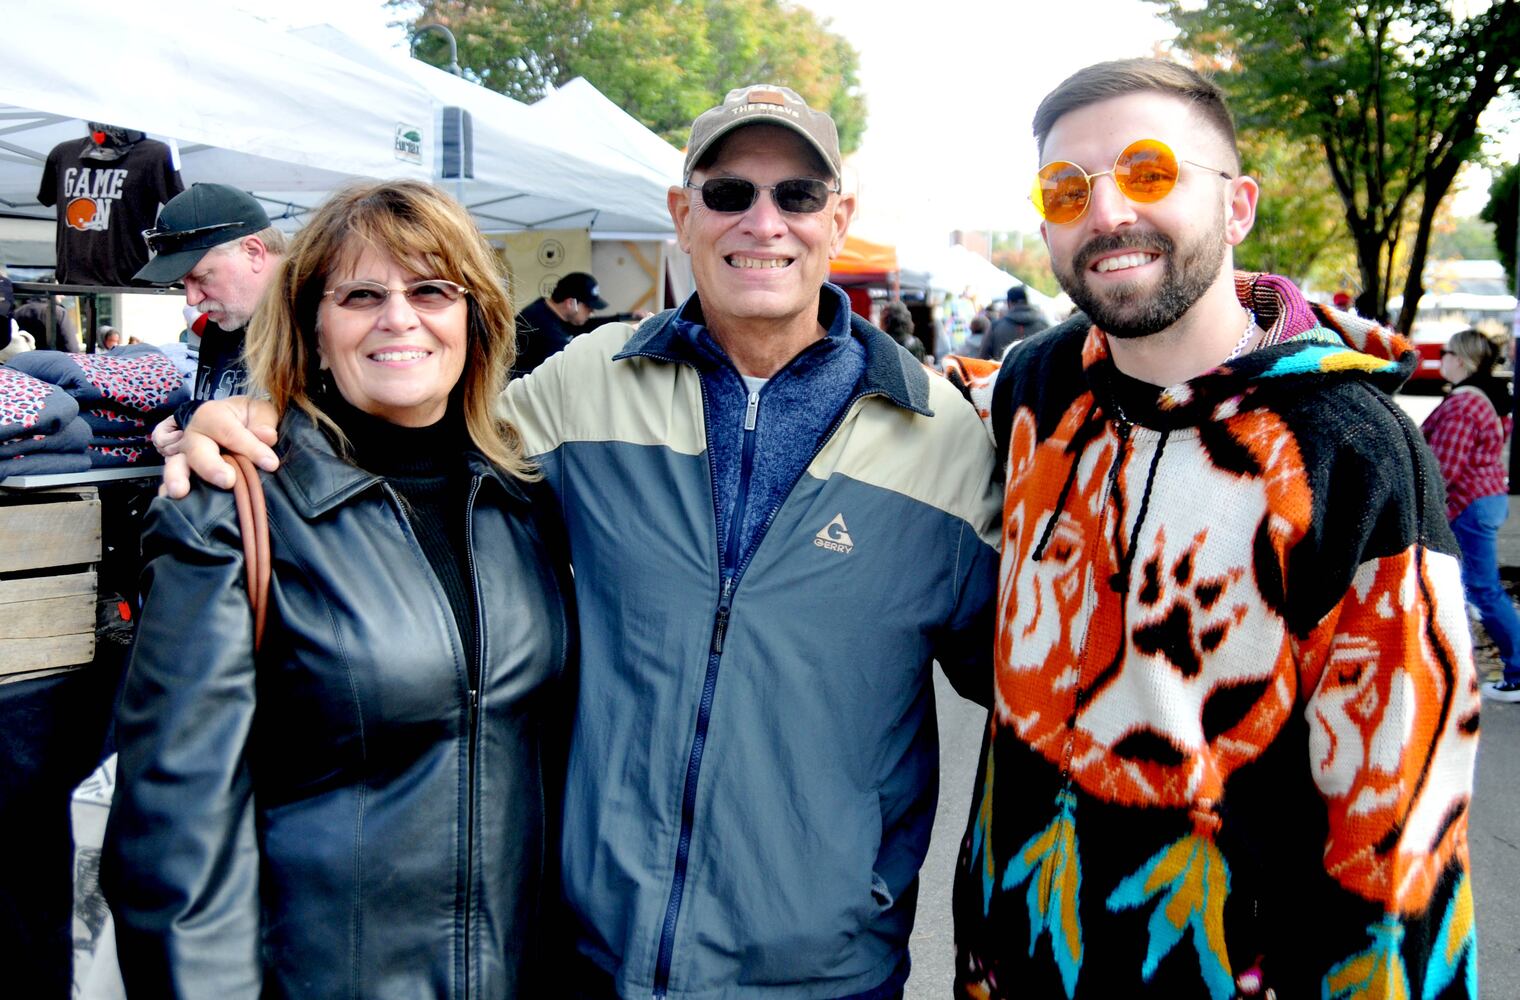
(1494, 832)
(960, 740)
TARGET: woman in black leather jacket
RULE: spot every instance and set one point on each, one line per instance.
(367, 807)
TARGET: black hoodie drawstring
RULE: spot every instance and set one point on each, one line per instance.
(1126, 553)
(1120, 580)
(1078, 444)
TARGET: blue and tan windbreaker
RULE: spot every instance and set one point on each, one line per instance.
(753, 776)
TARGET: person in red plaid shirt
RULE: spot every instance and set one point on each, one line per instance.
(1467, 433)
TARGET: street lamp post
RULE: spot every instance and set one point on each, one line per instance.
(453, 66)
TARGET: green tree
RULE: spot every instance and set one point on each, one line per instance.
(1023, 255)
(1298, 218)
(1462, 239)
(1391, 91)
(662, 61)
(1503, 204)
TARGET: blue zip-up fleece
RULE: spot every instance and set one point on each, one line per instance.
(754, 767)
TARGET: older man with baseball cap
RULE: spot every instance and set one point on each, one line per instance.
(218, 243)
(778, 521)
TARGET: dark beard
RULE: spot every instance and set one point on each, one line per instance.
(1130, 312)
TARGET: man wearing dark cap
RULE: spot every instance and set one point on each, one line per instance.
(778, 522)
(217, 242)
(545, 325)
(1020, 321)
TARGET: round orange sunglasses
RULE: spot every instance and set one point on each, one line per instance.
(1145, 171)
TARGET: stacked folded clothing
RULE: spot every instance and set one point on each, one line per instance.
(123, 394)
(40, 429)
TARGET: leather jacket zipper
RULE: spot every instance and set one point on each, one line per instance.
(474, 670)
(476, 681)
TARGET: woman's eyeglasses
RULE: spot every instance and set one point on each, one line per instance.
(1145, 171)
(426, 295)
(798, 196)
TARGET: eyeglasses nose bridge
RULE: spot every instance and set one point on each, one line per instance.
(392, 295)
(1092, 188)
(1104, 173)
(762, 190)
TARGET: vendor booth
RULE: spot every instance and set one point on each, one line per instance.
(272, 114)
(870, 273)
(861, 267)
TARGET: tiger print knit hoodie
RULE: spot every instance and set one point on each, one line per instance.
(1236, 712)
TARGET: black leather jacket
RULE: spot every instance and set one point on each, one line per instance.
(352, 815)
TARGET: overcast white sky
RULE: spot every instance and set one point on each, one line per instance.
(951, 85)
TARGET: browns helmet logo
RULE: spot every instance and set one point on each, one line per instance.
(87, 214)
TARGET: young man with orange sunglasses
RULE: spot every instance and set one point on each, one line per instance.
(1236, 714)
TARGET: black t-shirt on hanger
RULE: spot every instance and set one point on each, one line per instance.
(104, 206)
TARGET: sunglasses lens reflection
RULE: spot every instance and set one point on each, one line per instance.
(802, 196)
(1146, 171)
(1060, 192)
(728, 194)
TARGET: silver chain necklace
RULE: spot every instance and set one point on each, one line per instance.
(1245, 338)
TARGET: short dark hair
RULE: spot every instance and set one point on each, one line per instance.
(1017, 296)
(1121, 77)
(896, 319)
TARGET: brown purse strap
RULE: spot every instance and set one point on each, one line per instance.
(253, 521)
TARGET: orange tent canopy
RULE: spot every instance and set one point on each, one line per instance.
(864, 257)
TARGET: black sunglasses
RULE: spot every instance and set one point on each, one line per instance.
(172, 240)
(798, 196)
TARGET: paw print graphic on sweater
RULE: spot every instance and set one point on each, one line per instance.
(1194, 623)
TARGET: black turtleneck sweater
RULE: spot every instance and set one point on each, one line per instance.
(426, 466)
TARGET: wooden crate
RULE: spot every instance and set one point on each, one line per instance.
(49, 541)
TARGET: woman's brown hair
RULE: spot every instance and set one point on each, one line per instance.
(432, 235)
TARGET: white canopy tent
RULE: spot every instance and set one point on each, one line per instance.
(595, 116)
(957, 269)
(531, 170)
(246, 104)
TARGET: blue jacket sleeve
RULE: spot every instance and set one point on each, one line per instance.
(964, 646)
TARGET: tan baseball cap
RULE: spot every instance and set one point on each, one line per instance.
(763, 104)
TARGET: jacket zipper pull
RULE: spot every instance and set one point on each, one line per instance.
(720, 623)
(752, 410)
(719, 627)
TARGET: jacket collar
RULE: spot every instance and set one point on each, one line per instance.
(318, 479)
(890, 371)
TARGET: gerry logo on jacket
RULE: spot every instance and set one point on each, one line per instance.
(834, 536)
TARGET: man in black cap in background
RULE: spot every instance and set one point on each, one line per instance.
(545, 326)
(1020, 321)
(218, 243)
